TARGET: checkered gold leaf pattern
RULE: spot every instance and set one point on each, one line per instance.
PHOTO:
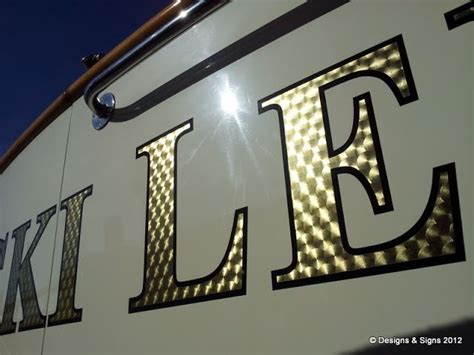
(65, 309)
(32, 317)
(22, 279)
(160, 284)
(319, 249)
(7, 325)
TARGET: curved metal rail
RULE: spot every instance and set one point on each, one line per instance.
(188, 13)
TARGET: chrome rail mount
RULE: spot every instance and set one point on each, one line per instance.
(104, 107)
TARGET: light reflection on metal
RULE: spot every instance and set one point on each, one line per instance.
(108, 100)
(183, 14)
(183, 20)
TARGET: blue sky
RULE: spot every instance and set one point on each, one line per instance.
(42, 43)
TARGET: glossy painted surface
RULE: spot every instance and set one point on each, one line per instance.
(29, 187)
(232, 159)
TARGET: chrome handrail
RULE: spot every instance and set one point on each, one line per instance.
(103, 107)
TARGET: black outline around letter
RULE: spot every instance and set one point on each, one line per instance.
(244, 211)
(460, 15)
